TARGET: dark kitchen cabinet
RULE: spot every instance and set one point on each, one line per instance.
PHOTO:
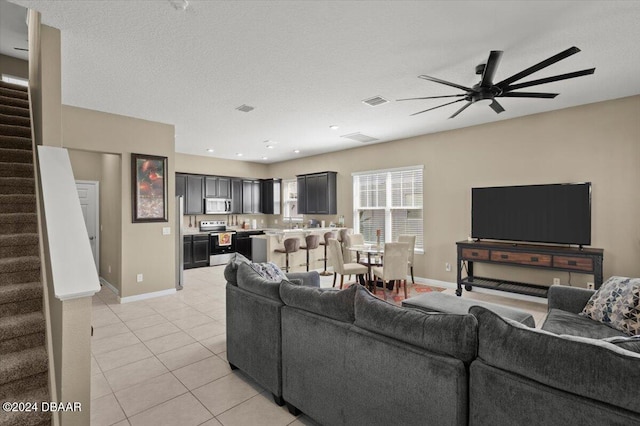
(270, 196)
(181, 185)
(243, 242)
(217, 187)
(196, 251)
(194, 202)
(236, 196)
(317, 193)
(251, 196)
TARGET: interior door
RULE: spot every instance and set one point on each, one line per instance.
(88, 195)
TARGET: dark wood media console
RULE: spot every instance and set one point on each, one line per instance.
(554, 258)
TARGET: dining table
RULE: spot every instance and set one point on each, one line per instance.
(374, 256)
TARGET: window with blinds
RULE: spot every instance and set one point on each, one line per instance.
(389, 201)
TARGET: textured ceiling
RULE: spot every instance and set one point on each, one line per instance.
(307, 65)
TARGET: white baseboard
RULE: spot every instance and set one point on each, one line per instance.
(145, 296)
(109, 286)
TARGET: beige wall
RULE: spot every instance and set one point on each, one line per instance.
(14, 66)
(197, 164)
(599, 143)
(144, 250)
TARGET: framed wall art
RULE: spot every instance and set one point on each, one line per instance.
(149, 188)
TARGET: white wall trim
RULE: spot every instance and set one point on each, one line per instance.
(145, 296)
(96, 184)
(109, 286)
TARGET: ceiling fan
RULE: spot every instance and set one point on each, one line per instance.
(486, 92)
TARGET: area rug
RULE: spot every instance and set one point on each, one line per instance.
(396, 298)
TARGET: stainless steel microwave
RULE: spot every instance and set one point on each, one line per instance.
(217, 205)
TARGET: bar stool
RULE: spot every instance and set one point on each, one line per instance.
(291, 245)
(311, 243)
(325, 243)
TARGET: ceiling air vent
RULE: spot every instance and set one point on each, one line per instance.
(375, 101)
(245, 108)
(359, 137)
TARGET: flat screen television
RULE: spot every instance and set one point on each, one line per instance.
(555, 213)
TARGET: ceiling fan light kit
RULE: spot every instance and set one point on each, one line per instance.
(486, 92)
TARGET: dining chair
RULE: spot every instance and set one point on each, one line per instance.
(394, 268)
(350, 241)
(339, 267)
(411, 240)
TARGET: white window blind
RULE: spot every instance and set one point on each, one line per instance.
(389, 201)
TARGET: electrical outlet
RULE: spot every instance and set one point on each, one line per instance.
(447, 267)
(556, 281)
(139, 278)
(590, 286)
(166, 230)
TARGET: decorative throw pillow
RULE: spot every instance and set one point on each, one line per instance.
(269, 271)
(617, 304)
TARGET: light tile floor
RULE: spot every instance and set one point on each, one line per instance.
(162, 361)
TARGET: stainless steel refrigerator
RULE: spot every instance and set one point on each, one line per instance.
(179, 243)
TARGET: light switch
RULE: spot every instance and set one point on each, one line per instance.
(166, 230)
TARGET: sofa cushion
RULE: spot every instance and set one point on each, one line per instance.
(231, 270)
(269, 270)
(336, 304)
(250, 280)
(617, 304)
(450, 334)
(629, 343)
(563, 322)
(588, 367)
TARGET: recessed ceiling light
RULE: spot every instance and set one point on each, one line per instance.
(297, 151)
(334, 127)
(270, 146)
(210, 149)
(179, 4)
(265, 158)
(239, 154)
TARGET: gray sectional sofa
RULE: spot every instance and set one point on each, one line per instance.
(347, 358)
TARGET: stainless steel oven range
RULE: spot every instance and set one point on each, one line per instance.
(222, 243)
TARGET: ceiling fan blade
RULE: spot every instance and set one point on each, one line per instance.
(549, 79)
(491, 67)
(529, 95)
(461, 109)
(432, 97)
(439, 106)
(448, 83)
(537, 67)
(496, 107)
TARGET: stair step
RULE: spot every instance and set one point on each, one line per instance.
(19, 245)
(15, 390)
(16, 169)
(12, 110)
(18, 185)
(18, 365)
(12, 86)
(13, 93)
(9, 130)
(19, 264)
(12, 155)
(15, 142)
(17, 203)
(15, 102)
(12, 293)
(18, 223)
(21, 343)
(14, 120)
(23, 418)
(25, 276)
(20, 325)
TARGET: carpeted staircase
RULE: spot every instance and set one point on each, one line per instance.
(23, 353)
